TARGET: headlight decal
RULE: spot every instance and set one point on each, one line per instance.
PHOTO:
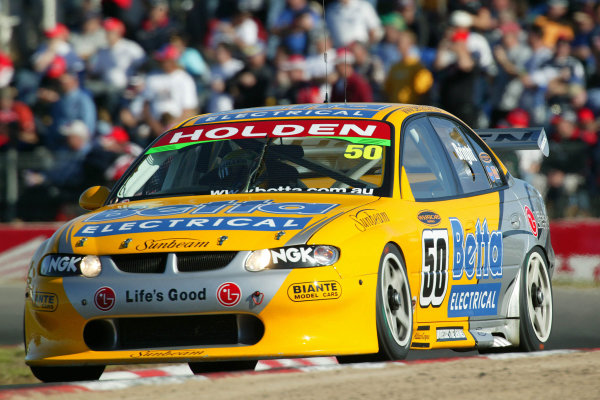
(292, 257)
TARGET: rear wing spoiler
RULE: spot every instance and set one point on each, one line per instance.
(515, 139)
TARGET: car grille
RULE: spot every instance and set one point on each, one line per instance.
(155, 263)
(141, 263)
(203, 261)
(174, 331)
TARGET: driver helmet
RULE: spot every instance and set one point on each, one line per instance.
(238, 164)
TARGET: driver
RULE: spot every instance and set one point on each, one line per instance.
(236, 167)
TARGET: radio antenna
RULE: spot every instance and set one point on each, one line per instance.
(325, 53)
(345, 74)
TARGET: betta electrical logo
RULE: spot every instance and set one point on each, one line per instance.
(476, 255)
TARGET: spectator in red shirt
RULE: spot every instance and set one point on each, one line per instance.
(587, 128)
(350, 85)
(17, 126)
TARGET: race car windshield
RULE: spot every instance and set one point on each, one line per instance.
(324, 156)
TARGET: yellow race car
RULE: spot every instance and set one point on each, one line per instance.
(351, 230)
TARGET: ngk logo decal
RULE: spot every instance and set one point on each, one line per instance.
(105, 298)
(229, 294)
(293, 254)
(60, 265)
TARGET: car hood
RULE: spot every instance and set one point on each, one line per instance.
(228, 222)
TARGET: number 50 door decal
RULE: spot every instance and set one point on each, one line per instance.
(434, 272)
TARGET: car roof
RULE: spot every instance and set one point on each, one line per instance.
(375, 111)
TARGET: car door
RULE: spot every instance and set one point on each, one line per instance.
(454, 206)
(476, 245)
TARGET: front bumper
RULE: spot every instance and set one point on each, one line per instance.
(177, 317)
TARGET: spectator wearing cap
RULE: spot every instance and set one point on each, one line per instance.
(56, 45)
(464, 60)
(524, 164)
(511, 56)
(294, 24)
(316, 66)
(457, 75)
(17, 126)
(117, 142)
(293, 79)
(131, 111)
(45, 192)
(350, 85)
(192, 62)
(221, 71)
(408, 80)
(587, 126)
(415, 21)
(7, 69)
(112, 144)
(73, 104)
(157, 28)
(554, 23)
(533, 96)
(560, 75)
(387, 48)
(170, 93)
(225, 65)
(131, 12)
(461, 23)
(565, 168)
(481, 16)
(250, 86)
(370, 66)
(582, 50)
(91, 38)
(114, 64)
(353, 20)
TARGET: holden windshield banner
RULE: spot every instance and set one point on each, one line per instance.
(354, 131)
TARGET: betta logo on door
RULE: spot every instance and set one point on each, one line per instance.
(476, 255)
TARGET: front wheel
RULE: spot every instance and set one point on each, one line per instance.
(394, 306)
(68, 374)
(535, 303)
(222, 366)
(393, 310)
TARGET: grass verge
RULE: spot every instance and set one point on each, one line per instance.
(13, 370)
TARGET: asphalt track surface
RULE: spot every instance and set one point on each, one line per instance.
(576, 320)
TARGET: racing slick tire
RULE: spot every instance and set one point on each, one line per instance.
(68, 374)
(222, 366)
(393, 310)
(535, 306)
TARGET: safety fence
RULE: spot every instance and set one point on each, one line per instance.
(576, 243)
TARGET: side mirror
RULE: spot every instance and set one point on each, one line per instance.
(93, 197)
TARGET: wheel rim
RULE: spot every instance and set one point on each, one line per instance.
(539, 297)
(396, 300)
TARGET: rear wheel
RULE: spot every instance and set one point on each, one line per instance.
(535, 303)
(394, 310)
(68, 374)
(221, 366)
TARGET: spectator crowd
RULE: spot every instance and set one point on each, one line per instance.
(79, 101)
